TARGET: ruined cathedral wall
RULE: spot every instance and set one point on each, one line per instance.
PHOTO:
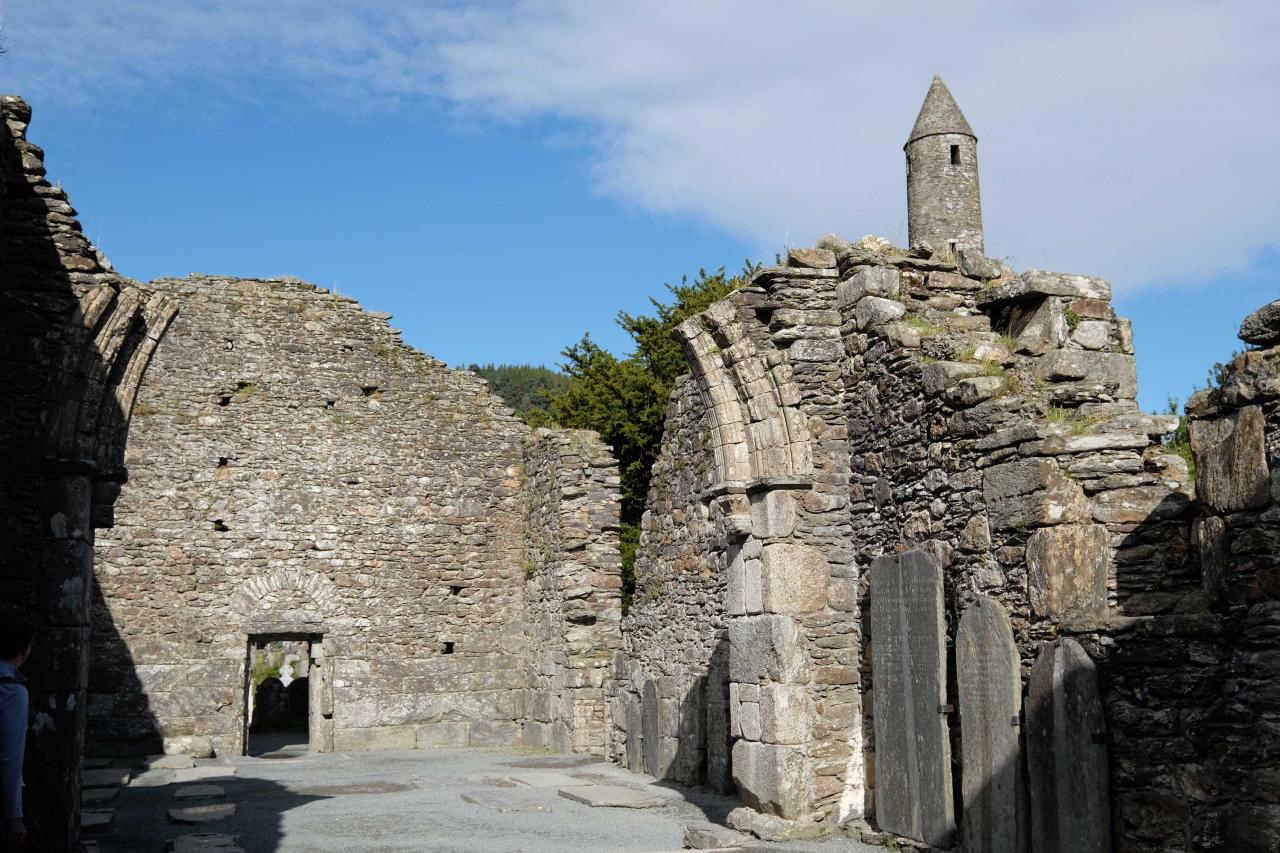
(573, 587)
(296, 469)
(668, 690)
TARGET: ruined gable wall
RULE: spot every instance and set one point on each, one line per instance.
(295, 467)
(573, 587)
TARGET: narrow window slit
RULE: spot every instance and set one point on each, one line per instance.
(955, 155)
(448, 648)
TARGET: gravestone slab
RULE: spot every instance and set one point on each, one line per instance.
(913, 754)
(610, 796)
(168, 762)
(651, 728)
(1067, 753)
(990, 704)
(635, 734)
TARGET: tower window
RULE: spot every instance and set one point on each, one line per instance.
(955, 155)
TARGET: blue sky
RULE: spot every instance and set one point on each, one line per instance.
(505, 176)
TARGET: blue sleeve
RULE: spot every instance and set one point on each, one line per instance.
(13, 743)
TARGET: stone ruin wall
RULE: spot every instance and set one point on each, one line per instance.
(987, 419)
(75, 340)
(669, 682)
(573, 588)
(297, 469)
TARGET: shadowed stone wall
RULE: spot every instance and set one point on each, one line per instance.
(301, 471)
(75, 340)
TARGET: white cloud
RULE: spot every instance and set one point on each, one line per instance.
(1126, 139)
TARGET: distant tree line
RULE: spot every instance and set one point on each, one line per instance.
(624, 398)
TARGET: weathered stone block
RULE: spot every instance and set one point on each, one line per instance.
(1262, 327)
(885, 282)
(767, 646)
(1041, 283)
(941, 375)
(1032, 493)
(773, 779)
(786, 714)
(442, 735)
(381, 737)
(794, 578)
(971, 391)
(1231, 460)
(873, 311)
(1067, 569)
(816, 258)
(773, 513)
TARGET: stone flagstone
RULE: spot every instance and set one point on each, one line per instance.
(610, 796)
(197, 774)
(92, 820)
(505, 800)
(990, 706)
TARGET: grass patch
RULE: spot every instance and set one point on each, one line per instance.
(922, 326)
(1073, 319)
(1073, 420)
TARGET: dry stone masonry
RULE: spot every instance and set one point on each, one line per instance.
(913, 561)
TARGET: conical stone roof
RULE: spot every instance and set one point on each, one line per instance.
(939, 114)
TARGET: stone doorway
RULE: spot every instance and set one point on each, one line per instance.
(283, 673)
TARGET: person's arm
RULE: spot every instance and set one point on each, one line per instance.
(13, 744)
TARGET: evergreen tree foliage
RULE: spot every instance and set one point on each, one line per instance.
(625, 399)
(523, 387)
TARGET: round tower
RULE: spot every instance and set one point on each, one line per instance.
(943, 205)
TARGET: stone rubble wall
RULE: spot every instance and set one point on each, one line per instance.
(1193, 699)
(297, 469)
(573, 587)
(75, 341)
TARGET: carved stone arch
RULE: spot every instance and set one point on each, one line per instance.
(758, 428)
(258, 601)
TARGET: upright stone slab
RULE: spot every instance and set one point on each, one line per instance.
(651, 728)
(1067, 754)
(913, 755)
(993, 804)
